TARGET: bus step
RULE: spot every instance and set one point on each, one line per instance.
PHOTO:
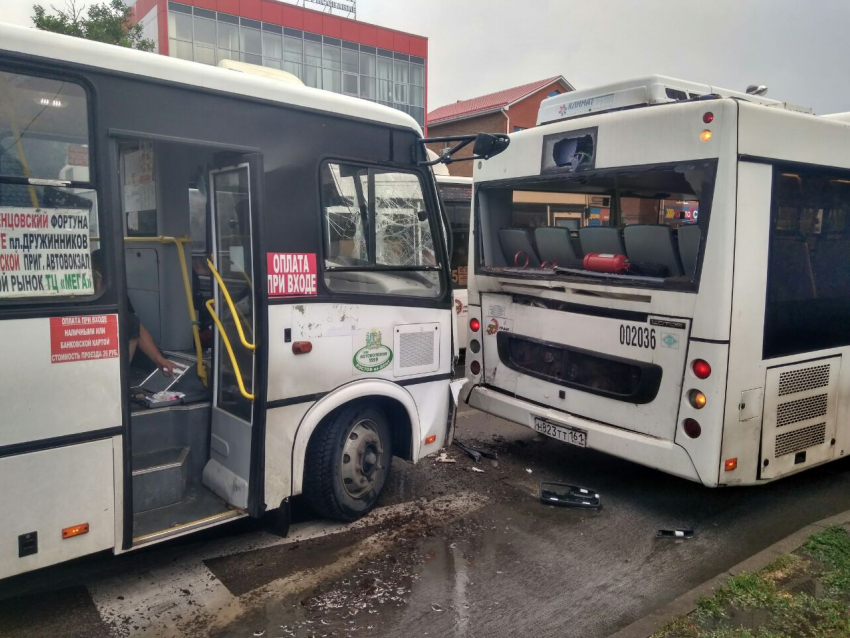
(160, 478)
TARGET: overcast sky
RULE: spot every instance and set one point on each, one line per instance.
(799, 49)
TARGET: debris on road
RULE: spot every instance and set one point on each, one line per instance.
(528, 469)
(476, 452)
(680, 532)
(444, 458)
(568, 495)
(477, 469)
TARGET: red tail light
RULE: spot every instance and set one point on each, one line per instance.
(474, 325)
(701, 369)
(475, 368)
(708, 117)
(692, 428)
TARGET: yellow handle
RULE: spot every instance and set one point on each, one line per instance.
(187, 289)
(245, 342)
(227, 345)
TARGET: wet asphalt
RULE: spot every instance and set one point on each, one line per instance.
(452, 552)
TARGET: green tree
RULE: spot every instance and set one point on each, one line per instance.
(110, 22)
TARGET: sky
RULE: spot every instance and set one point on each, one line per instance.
(799, 49)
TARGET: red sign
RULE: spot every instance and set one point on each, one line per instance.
(83, 338)
(292, 274)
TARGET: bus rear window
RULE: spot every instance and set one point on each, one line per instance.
(628, 226)
(48, 205)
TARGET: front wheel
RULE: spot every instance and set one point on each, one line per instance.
(348, 461)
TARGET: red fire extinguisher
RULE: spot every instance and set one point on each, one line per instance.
(606, 262)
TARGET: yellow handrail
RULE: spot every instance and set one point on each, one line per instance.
(187, 289)
(210, 303)
(245, 343)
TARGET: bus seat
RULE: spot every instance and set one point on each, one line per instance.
(831, 265)
(690, 236)
(653, 244)
(601, 239)
(515, 241)
(790, 269)
(554, 245)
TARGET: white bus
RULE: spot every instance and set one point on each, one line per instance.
(695, 316)
(456, 197)
(278, 250)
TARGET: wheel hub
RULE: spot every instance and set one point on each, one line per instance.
(361, 455)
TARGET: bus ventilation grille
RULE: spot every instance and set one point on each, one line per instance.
(801, 409)
(795, 381)
(796, 440)
(416, 349)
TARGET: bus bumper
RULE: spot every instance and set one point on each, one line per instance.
(639, 448)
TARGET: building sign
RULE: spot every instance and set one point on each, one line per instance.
(85, 338)
(291, 274)
(44, 253)
(348, 6)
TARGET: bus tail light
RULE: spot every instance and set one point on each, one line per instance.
(302, 347)
(730, 464)
(475, 368)
(692, 428)
(430, 439)
(474, 325)
(705, 135)
(708, 117)
(697, 399)
(75, 530)
(701, 369)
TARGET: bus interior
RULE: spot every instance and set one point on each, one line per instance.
(168, 192)
(656, 216)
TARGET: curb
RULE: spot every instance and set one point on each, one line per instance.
(686, 603)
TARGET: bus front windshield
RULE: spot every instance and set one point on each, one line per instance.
(632, 226)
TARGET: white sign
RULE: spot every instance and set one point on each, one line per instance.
(44, 253)
(349, 6)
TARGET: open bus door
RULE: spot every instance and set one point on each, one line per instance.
(236, 415)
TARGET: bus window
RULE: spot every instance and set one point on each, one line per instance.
(656, 217)
(46, 229)
(808, 279)
(378, 233)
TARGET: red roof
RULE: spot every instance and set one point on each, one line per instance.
(490, 102)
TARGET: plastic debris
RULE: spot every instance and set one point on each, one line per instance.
(568, 495)
(478, 469)
(476, 452)
(528, 469)
(675, 532)
(444, 458)
(436, 607)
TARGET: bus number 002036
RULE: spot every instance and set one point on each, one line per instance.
(637, 336)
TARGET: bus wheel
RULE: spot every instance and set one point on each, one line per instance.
(348, 461)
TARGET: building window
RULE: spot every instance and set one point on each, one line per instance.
(390, 78)
(517, 129)
(554, 93)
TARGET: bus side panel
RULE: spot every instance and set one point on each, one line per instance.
(742, 427)
(44, 397)
(47, 491)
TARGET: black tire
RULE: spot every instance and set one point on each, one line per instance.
(333, 488)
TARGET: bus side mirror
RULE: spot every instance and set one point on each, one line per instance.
(486, 145)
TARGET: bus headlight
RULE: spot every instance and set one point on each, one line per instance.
(697, 399)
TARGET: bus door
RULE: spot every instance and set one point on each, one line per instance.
(233, 207)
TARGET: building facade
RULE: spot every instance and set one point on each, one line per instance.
(323, 50)
(505, 111)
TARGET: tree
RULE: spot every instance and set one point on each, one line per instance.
(110, 22)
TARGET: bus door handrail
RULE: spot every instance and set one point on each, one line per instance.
(233, 309)
(210, 307)
(179, 242)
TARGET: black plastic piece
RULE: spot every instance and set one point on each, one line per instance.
(568, 495)
(676, 532)
(485, 146)
(27, 544)
(287, 335)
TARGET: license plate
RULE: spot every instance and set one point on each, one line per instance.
(573, 436)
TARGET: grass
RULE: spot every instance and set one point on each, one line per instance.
(757, 605)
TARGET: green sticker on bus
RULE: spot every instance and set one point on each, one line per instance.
(374, 356)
